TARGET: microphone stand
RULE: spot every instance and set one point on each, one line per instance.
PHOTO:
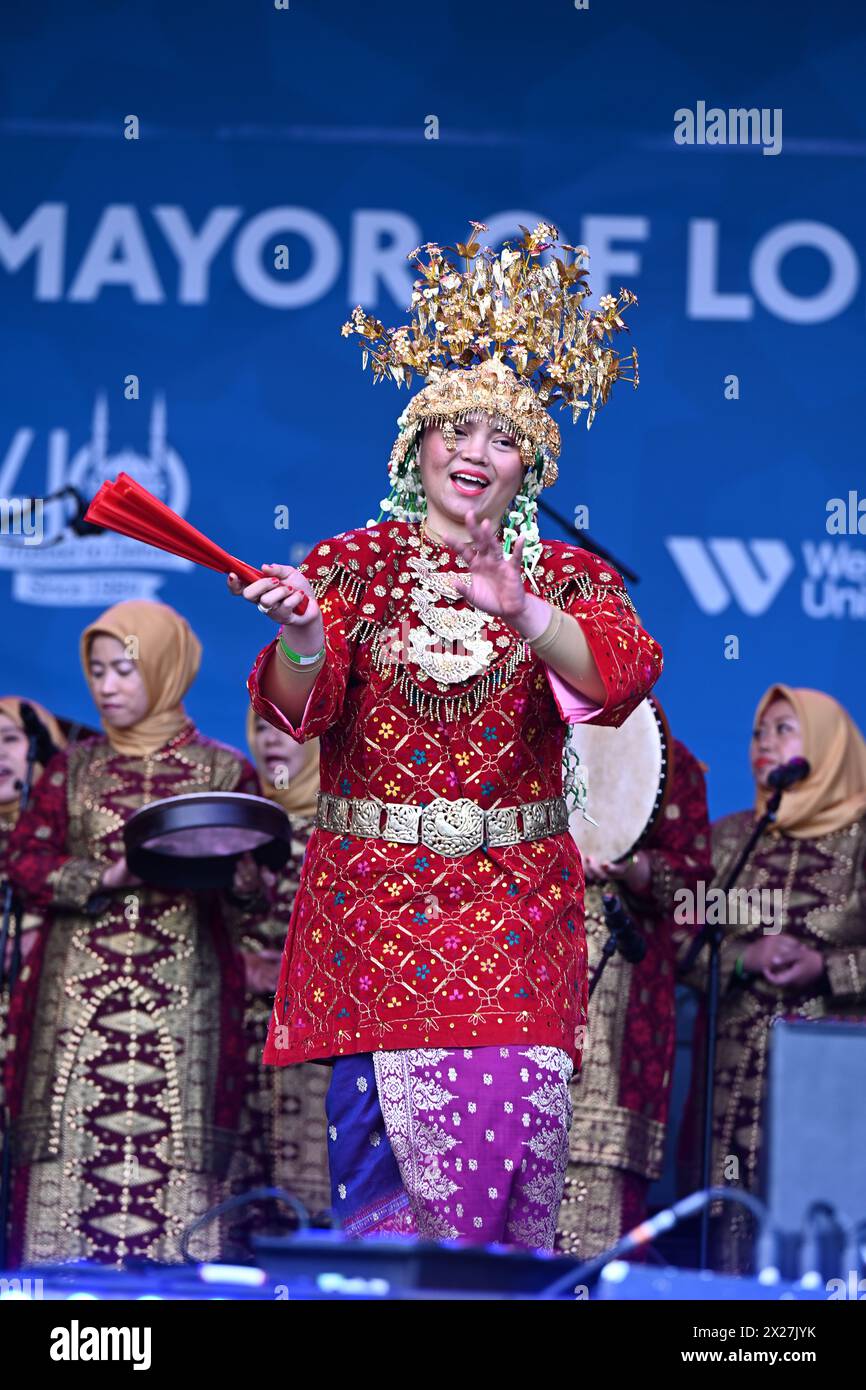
(75, 525)
(12, 925)
(567, 1284)
(711, 935)
(622, 936)
(588, 543)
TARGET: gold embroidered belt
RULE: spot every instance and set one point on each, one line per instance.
(447, 827)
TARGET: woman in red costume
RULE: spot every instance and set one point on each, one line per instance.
(435, 950)
(13, 771)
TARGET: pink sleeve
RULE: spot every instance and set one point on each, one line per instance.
(574, 707)
(628, 660)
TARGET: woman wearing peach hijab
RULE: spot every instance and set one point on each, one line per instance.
(801, 949)
(127, 1044)
(282, 1139)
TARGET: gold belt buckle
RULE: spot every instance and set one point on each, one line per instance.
(452, 827)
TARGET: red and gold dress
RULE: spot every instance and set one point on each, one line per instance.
(392, 945)
(622, 1094)
(282, 1124)
(821, 882)
(126, 1059)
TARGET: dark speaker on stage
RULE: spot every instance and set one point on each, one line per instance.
(815, 1159)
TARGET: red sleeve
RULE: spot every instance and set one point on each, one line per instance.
(40, 868)
(629, 661)
(679, 847)
(248, 781)
(325, 702)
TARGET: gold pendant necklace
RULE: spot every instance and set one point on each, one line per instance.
(444, 625)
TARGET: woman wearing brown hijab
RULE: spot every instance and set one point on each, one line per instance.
(126, 1067)
(807, 957)
(283, 1141)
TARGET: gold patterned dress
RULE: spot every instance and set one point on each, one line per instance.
(125, 1067)
(822, 882)
(282, 1132)
(7, 825)
(621, 1095)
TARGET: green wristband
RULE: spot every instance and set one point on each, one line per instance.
(295, 657)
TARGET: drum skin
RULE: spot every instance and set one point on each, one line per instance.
(195, 841)
(627, 776)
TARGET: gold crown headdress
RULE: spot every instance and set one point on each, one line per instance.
(506, 337)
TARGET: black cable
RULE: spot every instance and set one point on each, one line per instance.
(255, 1194)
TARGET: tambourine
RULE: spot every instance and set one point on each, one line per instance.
(195, 841)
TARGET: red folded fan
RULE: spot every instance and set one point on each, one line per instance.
(128, 508)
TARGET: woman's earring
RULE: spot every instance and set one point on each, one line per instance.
(449, 437)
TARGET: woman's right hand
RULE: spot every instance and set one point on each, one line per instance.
(274, 595)
(262, 971)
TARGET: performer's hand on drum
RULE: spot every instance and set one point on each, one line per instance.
(635, 871)
(117, 875)
(279, 595)
(592, 869)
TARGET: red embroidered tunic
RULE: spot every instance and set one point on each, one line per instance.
(394, 945)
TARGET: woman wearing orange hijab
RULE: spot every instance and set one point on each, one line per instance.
(807, 956)
(126, 1073)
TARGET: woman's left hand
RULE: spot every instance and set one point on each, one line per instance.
(496, 580)
(797, 972)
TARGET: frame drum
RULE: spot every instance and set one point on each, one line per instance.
(627, 774)
(195, 841)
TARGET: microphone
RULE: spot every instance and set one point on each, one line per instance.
(629, 941)
(75, 523)
(785, 776)
(44, 745)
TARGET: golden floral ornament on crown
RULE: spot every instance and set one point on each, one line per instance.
(506, 337)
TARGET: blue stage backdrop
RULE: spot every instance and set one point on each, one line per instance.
(154, 160)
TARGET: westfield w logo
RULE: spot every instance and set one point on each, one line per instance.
(718, 571)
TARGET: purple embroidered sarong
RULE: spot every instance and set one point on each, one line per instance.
(466, 1144)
